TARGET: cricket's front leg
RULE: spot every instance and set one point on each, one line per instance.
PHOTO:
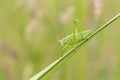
(64, 47)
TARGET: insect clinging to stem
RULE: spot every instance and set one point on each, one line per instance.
(75, 37)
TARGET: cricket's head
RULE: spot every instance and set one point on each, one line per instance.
(60, 42)
(65, 40)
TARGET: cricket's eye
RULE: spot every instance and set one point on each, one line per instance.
(60, 42)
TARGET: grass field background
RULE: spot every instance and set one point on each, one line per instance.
(30, 30)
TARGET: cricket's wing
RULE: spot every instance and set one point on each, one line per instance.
(84, 34)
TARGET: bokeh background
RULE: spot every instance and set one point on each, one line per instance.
(30, 30)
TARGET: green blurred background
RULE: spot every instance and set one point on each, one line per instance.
(30, 30)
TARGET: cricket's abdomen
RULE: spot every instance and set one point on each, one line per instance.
(70, 39)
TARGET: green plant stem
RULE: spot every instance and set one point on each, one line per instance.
(67, 54)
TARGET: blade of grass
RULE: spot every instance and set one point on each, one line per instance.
(67, 54)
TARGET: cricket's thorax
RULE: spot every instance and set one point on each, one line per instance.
(71, 39)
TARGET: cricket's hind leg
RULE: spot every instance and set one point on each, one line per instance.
(79, 27)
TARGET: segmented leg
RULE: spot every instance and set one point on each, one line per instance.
(77, 27)
(64, 47)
